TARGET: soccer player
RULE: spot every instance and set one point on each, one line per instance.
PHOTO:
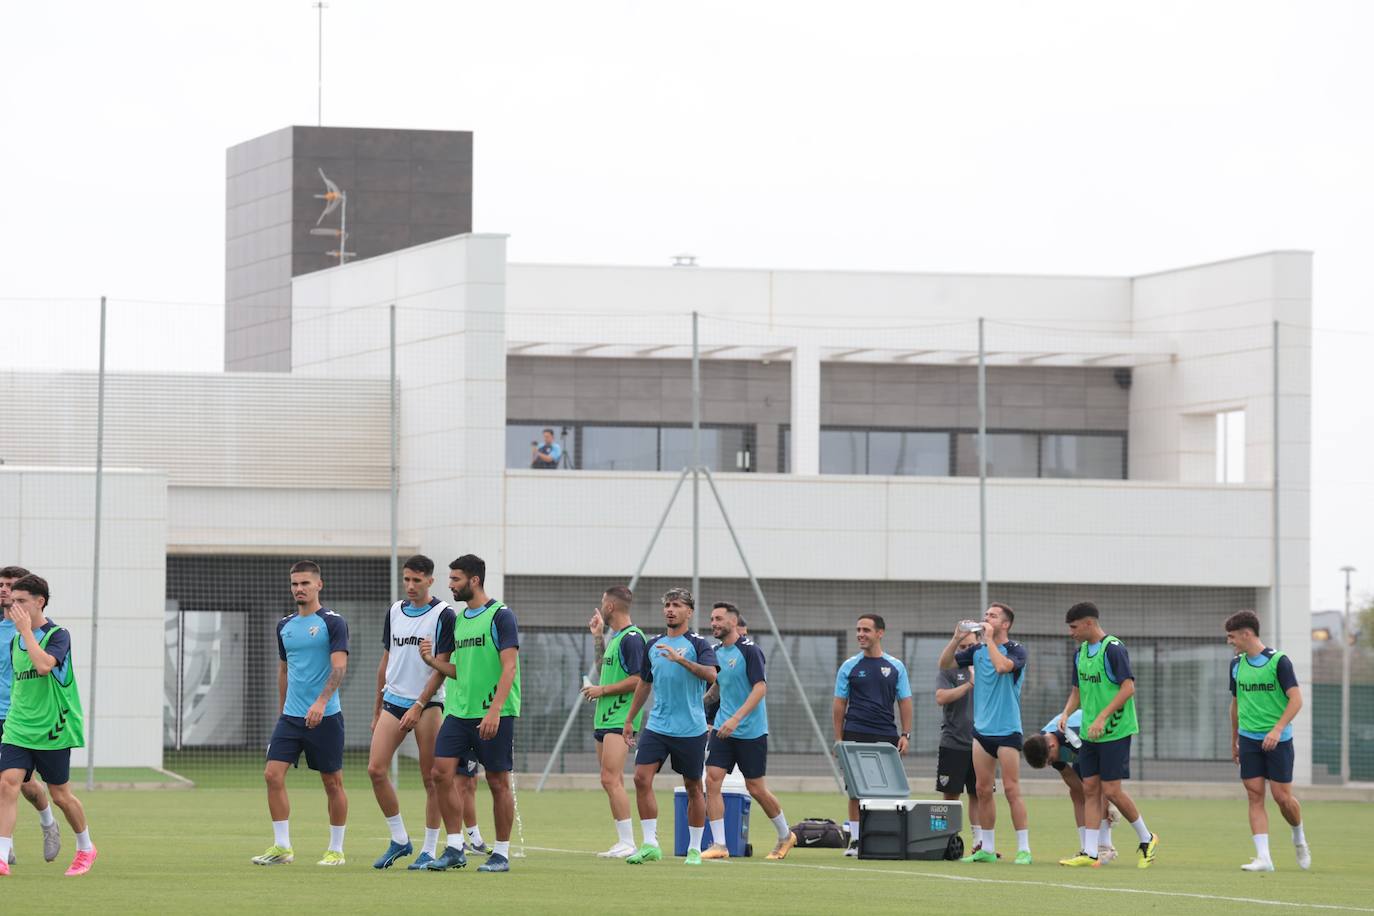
(45, 720)
(1265, 698)
(866, 687)
(954, 762)
(678, 666)
(620, 657)
(312, 645)
(1052, 746)
(33, 791)
(480, 708)
(997, 667)
(410, 698)
(1102, 683)
(741, 734)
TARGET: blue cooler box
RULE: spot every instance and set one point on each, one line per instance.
(736, 823)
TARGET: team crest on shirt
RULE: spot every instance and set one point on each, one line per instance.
(313, 631)
(885, 671)
(731, 662)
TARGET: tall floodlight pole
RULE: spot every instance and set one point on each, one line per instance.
(319, 5)
(982, 471)
(1278, 601)
(395, 485)
(1347, 636)
(95, 558)
(696, 469)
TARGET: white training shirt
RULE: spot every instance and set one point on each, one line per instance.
(406, 672)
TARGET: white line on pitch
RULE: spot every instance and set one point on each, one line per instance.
(1071, 887)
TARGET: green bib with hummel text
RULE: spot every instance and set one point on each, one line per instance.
(1260, 700)
(1096, 692)
(45, 709)
(612, 711)
(478, 661)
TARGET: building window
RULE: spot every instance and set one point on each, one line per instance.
(1009, 454)
(1076, 455)
(908, 454)
(634, 447)
(1231, 446)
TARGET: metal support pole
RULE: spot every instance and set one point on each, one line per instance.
(1277, 599)
(821, 740)
(696, 470)
(95, 554)
(395, 483)
(634, 582)
(1347, 631)
(982, 472)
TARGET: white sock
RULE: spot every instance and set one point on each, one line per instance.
(1090, 841)
(625, 832)
(45, 817)
(853, 831)
(1083, 838)
(83, 841)
(649, 827)
(454, 840)
(474, 835)
(6, 844)
(1299, 838)
(431, 841)
(1141, 830)
(1023, 841)
(1104, 833)
(1261, 846)
(398, 829)
(977, 834)
(781, 825)
(501, 848)
(990, 840)
(281, 834)
(336, 838)
(694, 836)
(717, 831)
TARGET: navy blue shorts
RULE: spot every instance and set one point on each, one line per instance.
(54, 766)
(1109, 761)
(687, 755)
(954, 771)
(1275, 765)
(601, 733)
(400, 711)
(749, 754)
(991, 743)
(459, 738)
(323, 745)
(869, 738)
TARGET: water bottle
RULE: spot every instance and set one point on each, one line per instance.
(1071, 736)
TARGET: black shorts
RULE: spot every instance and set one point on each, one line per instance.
(400, 711)
(323, 745)
(686, 754)
(601, 733)
(954, 771)
(869, 738)
(54, 766)
(749, 754)
(1275, 765)
(1110, 761)
(459, 738)
(991, 743)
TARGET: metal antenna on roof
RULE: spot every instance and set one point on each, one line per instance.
(335, 199)
(319, 65)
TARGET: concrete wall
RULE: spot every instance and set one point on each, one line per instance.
(46, 526)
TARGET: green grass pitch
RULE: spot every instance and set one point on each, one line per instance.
(188, 851)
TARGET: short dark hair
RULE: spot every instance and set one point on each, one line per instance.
(878, 622)
(548, 430)
(742, 622)
(678, 593)
(1080, 610)
(306, 566)
(474, 566)
(14, 572)
(620, 595)
(1240, 620)
(730, 608)
(420, 564)
(34, 585)
(1006, 609)
(1037, 751)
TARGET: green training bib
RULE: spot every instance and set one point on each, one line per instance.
(45, 710)
(469, 695)
(1260, 700)
(612, 711)
(1096, 692)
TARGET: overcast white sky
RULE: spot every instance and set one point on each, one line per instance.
(1078, 137)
